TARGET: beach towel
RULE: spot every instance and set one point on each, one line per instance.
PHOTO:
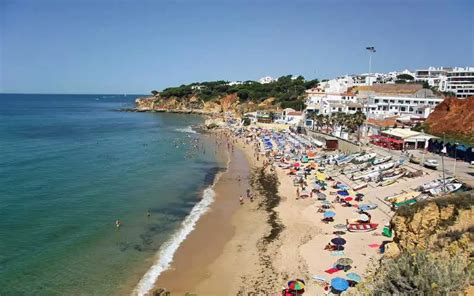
(337, 253)
(332, 270)
(319, 278)
(374, 246)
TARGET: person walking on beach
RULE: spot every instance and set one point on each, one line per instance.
(248, 193)
(241, 199)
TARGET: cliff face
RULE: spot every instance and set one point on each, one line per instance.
(454, 117)
(227, 103)
(445, 225)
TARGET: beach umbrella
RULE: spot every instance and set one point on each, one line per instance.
(339, 284)
(344, 261)
(329, 214)
(296, 285)
(343, 192)
(354, 277)
(364, 218)
(359, 195)
(338, 241)
(296, 164)
(340, 226)
(348, 198)
(366, 207)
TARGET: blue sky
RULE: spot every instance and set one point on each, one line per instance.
(133, 46)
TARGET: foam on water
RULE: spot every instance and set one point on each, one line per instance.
(168, 249)
(187, 129)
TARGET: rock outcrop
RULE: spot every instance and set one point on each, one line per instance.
(443, 224)
(453, 116)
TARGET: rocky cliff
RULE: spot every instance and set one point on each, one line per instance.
(227, 103)
(445, 224)
(455, 117)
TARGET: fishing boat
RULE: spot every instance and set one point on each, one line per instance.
(381, 160)
(374, 172)
(403, 196)
(396, 205)
(359, 186)
(397, 174)
(346, 159)
(415, 160)
(365, 157)
(361, 227)
(435, 183)
(387, 182)
(452, 187)
(431, 164)
(355, 169)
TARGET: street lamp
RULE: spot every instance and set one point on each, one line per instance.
(371, 50)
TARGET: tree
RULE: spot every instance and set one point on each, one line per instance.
(405, 77)
(154, 93)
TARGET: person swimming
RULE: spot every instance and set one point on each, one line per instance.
(118, 223)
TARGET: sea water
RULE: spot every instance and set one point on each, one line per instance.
(70, 166)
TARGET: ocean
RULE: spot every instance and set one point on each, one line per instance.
(70, 166)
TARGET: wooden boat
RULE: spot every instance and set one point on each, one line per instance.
(359, 187)
(448, 188)
(397, 174)
(431, 164)
(361, 227)
(396, 205)
(381, 160)
(365, 157)
(402, 196)
(355, 169)
(367, 176)
(387, 182)
(415, 160)
(435, 183)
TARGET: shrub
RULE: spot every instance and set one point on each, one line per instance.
(418, 273)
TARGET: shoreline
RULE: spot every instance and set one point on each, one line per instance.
(276, 238)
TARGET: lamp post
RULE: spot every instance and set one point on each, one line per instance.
(371, 50)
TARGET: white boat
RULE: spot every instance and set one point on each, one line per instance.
(346, 159)
(448, 188)
(367, 176)
(396, 174)
(435, 183)
(431, 164)
(381, 160)
(365, 157)
(355, 169)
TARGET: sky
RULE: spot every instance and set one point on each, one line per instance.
(134, 46)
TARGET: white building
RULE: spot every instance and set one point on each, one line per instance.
(266, 79)
(419, 104)
(459, 81)
(291, 116)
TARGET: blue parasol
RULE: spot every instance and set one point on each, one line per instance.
(343, 192)
(339, 284)
(338, 241)
(354, 277)
(329, 214)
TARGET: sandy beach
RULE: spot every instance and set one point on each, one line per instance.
(255, 248)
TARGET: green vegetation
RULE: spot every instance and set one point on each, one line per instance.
(289, 92)
(418, 273)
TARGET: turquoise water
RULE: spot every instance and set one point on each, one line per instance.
(69, 167)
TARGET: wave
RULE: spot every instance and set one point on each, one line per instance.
(187, 129)
(168, 249)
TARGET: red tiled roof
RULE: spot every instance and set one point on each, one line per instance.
(294, 113)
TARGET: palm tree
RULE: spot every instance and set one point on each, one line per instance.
(359, 120)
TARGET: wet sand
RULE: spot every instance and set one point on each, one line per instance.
(191, 264)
